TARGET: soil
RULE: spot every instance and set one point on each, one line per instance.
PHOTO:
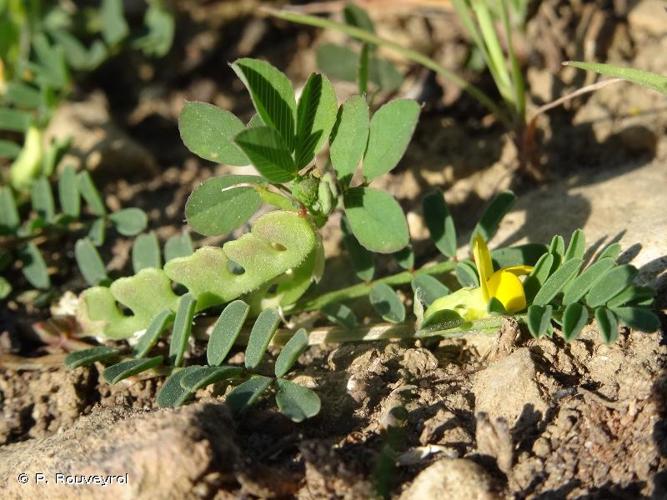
(486, 416)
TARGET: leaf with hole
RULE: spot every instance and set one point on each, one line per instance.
(207, 375)
(268, 152)
(182, 328)
(222, 204)
(539, 319)
(295, 401)
(494, 213)
(349, 137)
(607, 324)
(209, 131)
(272, 96)
(146, 252)
(129, 221)
(291, 352)
(316, 115)
(150, 337)
(431, 287)
(128, 368)
(376, 219)
(89, 262)
(87, 357)
(390, 132)
(34, 268)
(225, 331)
(610, 284)
(638, 318)
(260, 335)
(246, 394)
(440, 223)
(387, 303)
(556, 282)
(178, 245)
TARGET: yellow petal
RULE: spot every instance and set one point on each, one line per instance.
(508, 289)
(518, 270)
(482, 256)
(467, 302)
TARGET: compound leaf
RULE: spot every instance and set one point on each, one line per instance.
(291, 352)
(268, 152)
(610, 284)
(209, 131)
(376, 219)
(391, 130)
(295, 401)
(316, 115)
(555, 283)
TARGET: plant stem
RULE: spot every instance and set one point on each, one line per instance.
(410, 54)
(362, 289)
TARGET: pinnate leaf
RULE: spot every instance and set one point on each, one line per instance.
(124, 369)
(87, 357)
(225, 331)
(610, 284)
(262, 331)
(575, 318)
(291, 352)
(246, 394)
(556, 282)
(295, 401)
(182, 328)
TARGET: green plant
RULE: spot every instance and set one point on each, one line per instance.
(41, 46)
(646, 79)
(266, 272)
(24, 226)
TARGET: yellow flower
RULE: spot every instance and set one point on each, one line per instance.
(503, 285)
(472, 304)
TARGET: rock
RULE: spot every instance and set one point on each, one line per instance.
(161, 454)
(98, 144)
(648, 16)
(494, 440)
(509, 389)
(624, 204)
(452, 479)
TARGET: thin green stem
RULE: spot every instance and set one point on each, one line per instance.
(410, 54)
(363, 289)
